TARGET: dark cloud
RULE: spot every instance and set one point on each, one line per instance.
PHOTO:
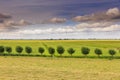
(7, 23)
(5, 16)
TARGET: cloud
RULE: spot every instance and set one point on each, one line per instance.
(98, 26)
(108, 28)
(7, 23)
(113, 12)
(38, 10)
(109, 15)
(93, 25)
(23, 22)
(10, 25)
(55, 20)
(81, 27)
(47, 31)
(7, 26)
(5, 16)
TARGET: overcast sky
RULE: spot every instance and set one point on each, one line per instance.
(28, 17)
(37, 10)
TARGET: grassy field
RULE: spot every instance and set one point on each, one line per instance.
(39, 68)
(104, 45)
(47, 68)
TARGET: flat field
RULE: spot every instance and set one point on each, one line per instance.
(104, 45)
(47, 68)
(53, 68)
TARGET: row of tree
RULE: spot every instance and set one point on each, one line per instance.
(51, 50)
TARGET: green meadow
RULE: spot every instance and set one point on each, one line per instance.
(104, 45)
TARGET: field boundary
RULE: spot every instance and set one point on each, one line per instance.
(56, 56)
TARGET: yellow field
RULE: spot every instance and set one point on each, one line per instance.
(37, 68)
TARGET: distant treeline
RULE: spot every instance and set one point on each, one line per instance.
(62, 39)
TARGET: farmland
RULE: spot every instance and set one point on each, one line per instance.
(54, 68)
(104, 45)
(45, 68)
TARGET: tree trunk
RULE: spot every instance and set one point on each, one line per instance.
(61, 55)
(98, 56)
(51, 55)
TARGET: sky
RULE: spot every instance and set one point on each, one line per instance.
(59, 19)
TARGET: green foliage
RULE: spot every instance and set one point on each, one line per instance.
(41, 50)
(28, 50)
(104, 45)
(98, 52)
(8, 49)
(71, 51)
(19, 49)
(85, 50)
(2, 49)
(112, 52)
(60, 50)
(51, 51)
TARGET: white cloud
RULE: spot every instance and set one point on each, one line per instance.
(109, 28)
(82, 27)
(109, 15)
(113, 12)
(46, 31)
(55, 20)
(23, 22)
(99, 26)
(93, 25)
